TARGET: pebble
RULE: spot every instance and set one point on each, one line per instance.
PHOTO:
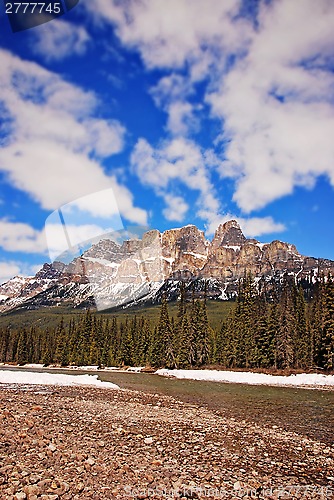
(195, 449)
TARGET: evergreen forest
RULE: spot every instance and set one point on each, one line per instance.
(281, 325)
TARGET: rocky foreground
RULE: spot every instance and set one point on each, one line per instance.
(80, 442)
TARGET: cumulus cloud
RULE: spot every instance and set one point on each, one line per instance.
(55, 145)
(251, 226)
(176, 208)
(56, 238)
(59, 40)
(21, 237)
(182, 162)
(171, 94)
(178, 160)
(169, 34)
(267, 78)
(277, 104)
(8, 270)
(61, 239)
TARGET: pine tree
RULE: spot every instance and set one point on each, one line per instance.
(21, 352)
(5, 335)
(46, 354)
(287, 327)
(183, 359)
(126, 343)
(94, 351)
(316, 321)
(302, 351)
(162, 352)
(61, 353)
(264, 337)
(273, 325)
(329, 324)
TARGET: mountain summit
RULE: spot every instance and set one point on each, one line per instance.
(111, 274)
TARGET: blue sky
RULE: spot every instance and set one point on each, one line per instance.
(188, 111)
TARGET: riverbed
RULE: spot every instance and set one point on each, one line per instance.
(306, 412)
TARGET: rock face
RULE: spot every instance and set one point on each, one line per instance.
(111, 274)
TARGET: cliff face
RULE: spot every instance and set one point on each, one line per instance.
(111, 274)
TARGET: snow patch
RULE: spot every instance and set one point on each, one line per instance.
(234, 247)
(27, 378)
(103, 262)
(169, 259)
(301, 379)
(197, 255)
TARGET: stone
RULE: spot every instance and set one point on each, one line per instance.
(20, 495)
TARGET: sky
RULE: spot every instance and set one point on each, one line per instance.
(162, 113)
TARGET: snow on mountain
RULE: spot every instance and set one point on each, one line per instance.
(111, 274)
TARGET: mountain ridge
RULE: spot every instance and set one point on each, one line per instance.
(111, 274)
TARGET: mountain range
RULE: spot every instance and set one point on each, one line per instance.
(111, 274)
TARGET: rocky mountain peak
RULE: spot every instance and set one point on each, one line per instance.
(139, 270)
(228, 234)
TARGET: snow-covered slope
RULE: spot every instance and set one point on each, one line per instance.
(141, 270)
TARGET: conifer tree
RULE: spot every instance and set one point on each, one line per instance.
(183, 358)
(287, 330)
(162, 352)
(316, 320)
(21, 352)
(302, 351)
(46, 348)
(61, 352)
(329, 325)
(94, 351)
(5, 335)
(264, 337)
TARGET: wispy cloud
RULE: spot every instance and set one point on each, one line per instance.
(268, 80)
(56, 146)
(176, 207)
(277, 104)
(11, 268)
(169, 34)
(59, 40)
(251, 226)
(21, 237)
(8, 270)
(178, 160)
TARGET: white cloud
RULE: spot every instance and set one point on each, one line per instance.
(168, 34)
(178, 160)
(55, 146)
(21, 237)
(59, 40)
(176, 208)
(269, 82)
(251, 226)
(277, 104)
(8, 270)
(181, 118)
(60, 241)
(181, 161)
(171, 93)
(175, 35)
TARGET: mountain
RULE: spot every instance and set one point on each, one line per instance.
(112, 274)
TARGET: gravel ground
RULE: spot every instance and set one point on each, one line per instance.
(82, 443)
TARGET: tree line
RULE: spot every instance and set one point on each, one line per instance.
(273, 325)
